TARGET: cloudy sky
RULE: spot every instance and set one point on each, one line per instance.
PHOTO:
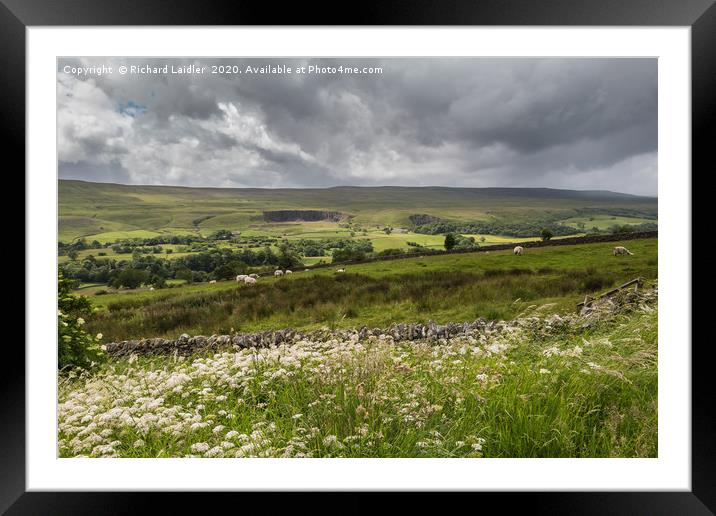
(560, 123)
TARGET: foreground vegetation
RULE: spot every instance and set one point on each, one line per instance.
(539, 387)
(446, 288)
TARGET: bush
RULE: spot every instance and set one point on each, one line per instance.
(595, 282)
(390, 252)
(76, 348)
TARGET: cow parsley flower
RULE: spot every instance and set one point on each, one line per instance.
(199, 448)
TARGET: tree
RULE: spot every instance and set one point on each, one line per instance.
(286, 257)
(158, 282)
(131, 278)
(76, 348)
(351, 253)
(450, 241)
(72, 254)
(184, 274)
(546, 234)
(224, 272)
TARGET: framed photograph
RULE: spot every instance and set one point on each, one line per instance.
(421, 252)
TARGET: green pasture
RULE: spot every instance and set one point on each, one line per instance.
(107, 212)
(603, 222)
(456, 287)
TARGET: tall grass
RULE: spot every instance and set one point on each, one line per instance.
(346, 300)
(549, 393)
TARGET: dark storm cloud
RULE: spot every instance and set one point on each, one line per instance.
(571, 123)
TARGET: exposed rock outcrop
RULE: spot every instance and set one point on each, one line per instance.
(303, 216)
(419, 219)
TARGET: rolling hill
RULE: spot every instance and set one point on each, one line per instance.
(109, 212)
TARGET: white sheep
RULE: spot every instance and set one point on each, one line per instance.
(254, 275)
(278, 272)
(341, 270)
(213, 281)
(240, 278)
(288, 272)
(621, 250)
(519, 250)
(151, 288)
(249, 280)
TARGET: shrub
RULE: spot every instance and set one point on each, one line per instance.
(76, 348)
(390, 252)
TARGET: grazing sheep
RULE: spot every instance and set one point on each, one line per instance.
(305, 270)
(151, 288)
(621, 250)
(278, 272)
(519, 250)
(288, 272)
(341, 270)
(240, 277)
(249, 280)
(254, 275)
(213, 281)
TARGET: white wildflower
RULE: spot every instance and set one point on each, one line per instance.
(199, 448)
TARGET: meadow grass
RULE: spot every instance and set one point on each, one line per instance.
(546, 390)
(603, 222)
(445, 288)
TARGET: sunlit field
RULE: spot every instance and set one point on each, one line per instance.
(448, 288)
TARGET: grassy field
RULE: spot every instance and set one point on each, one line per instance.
(458, 287)
(108, 211)
(552, 388)
(603, 222)
(379, 239)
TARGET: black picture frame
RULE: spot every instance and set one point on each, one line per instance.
(700, 15)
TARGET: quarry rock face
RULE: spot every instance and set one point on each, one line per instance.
(420, 219)
(623, 302)
(303, 216)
